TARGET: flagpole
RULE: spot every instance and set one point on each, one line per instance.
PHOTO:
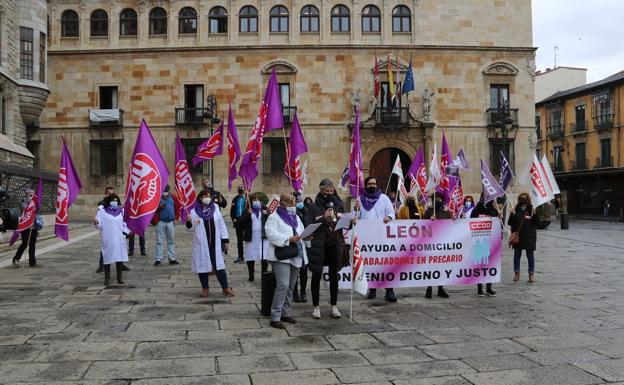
(287, 157)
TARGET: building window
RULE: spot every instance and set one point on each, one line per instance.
(340, 19)
(193, 105)
(99, 23)
(538, 127)
(3, 118)
(187, 21)
(106, 157)
(26, 53)
(128, 22)
(158, 22)
(371, 19)
(218, 20)
(42, 57)
(554, 122)
(579, 118)
(558, 156)
(499, 97)
(386, 99)
(287, 109)
(581, 163)
(70, 24)
(279, 19)
(309, 19)
(248, 19)
(108, 98)
(273, 156)
(602, 108)
(605, 153)
(507, 147)
(401, 19)
(190, 149)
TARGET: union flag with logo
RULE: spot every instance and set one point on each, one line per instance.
(69, 186)
(210, 147)
(183, 180)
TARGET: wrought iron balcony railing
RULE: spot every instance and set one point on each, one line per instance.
(603, 122)
(289, 113)
(555, 132)
(190, 116)
(495, 115)
(392, 116)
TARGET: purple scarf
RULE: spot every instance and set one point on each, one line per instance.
(288, 218)
(368, 200)
(113, 211)
(205, 212)
(256, 211)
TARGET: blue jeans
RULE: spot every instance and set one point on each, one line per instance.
(221, 277)
(285, 277)
(530, 256)
(164, 230)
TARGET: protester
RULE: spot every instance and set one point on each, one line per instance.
(523, 221)
(29, 235)
(411, 209)
(396, 203)
(484, 211)
(216, 196)
(438, 211)
(307, 202)
(210, 240)
(375, 205)
(606, 207)
(237, 209)
(165, 231)
(107, 191)
(469, 206)
(327, 247)
(287, 255)
(252, 223)
(131, 245)
(113, 232)
(299, 291)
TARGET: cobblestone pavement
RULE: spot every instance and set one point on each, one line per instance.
(59, 325)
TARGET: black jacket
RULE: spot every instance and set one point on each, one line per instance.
(484, 210)
(320, 250)
(245, 223)
(215, 195)
(440, 214)
(527, 227)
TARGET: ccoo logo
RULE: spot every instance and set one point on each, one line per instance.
(481, 226)
(62, 198)
(145, 186)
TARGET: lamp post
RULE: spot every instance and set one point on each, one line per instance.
(211, 114)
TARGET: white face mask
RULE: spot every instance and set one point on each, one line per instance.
(292, 209)
(206, 201)
(113, 204)
(166, 194)
(256, 204)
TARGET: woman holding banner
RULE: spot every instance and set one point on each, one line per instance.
(523, 221)
(411, 209)
(113, 233)
(438, 211)
(255, 245)
(469, 206)
(210, 240)
(483, 211)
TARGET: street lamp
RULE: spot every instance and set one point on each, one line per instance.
(211, 114)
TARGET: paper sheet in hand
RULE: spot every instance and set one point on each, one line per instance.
(310, 230)
(344, 222)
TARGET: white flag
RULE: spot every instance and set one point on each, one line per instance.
(304, 173)
(398, 171)
(360, 283)
(540, 192)
(434, 170)
(550, 177)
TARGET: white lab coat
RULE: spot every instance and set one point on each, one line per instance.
(113, 232)
(382, 208)
(201, 253)
(278, 233)
(258, 248)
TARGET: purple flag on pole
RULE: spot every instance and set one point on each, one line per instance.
(147, 176)
(183, 180)
(356, 175)
(234, 152)
(344, 178)
(418, 173)
(506, 172)
(461, 161)
(491, 188)
(445, 156)
(210, 147)
(296, 147)
(69, 186)
(269, 118)
(39, 193)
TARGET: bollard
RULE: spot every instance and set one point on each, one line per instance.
(565, 221)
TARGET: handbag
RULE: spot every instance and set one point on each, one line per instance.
(514, 237)
(287, 252)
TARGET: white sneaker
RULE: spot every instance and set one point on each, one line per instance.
(334, 312)
(316, 313)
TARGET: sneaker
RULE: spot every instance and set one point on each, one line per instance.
(334, 313)
(173, 262)
(157, 263)
(16, 262)
(316, 313)
(491, 292)
(480, 292)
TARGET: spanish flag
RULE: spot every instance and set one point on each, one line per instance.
(390, 78)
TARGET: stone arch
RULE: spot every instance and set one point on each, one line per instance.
(281, 67)
(378, 145)
(500, 68)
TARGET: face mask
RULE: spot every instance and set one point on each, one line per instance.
(208, 186)
(439, 204)
(292, 209)
(299, 206)
(206, 201)
(411, 203)
(29, 198)
(392, 199)
(166, 194)
(114, 204)
(468, 204)
(371, 190)
(256, 204)
(327, 196)
(240, 191)
(522, 201)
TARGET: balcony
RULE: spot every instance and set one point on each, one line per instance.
(555, 132)
(495, 115)
(392, 117)
(106, 118)
(580, 164)
(579, 127)
(289, 113)
(557, 166)
(604, 162)
(603, 122)
(190, 116)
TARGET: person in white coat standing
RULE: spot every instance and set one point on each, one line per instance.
(210, 241)
(287, 255)
(113, 233)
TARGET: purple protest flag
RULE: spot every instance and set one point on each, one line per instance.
(183, 180)
(344, 178)
(39, 193)
(445, 157)
(210, 147)
(147, 177)
(69, 186)
(418, 173)
(234, 152)
(269, 118)
(296, 147)
(491, 188)
(356, 175)
(506, 173)
(461, 161)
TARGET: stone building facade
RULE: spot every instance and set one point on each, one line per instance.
(23, 90)
(159, 60)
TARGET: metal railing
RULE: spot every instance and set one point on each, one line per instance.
(495, 115)
(392, 116)
(603, 122)
(289, 113)
(15, 179)
(581, 164)
(557, 166)
(555, 132)
(579, 126)
(190, 116)
(604, 162)
(106, 123)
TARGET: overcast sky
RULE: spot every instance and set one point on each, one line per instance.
(589, 34)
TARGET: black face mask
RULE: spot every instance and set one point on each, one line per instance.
(523, 201)
(411, 203)
(240, 191)
(439, 205)
(371, 190)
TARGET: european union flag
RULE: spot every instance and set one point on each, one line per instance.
(408, 81)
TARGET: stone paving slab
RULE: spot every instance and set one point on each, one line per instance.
(610, 370)
(401, 371)
(543, 375)
(299, 377)
(473, 349)
(331, 359)
(400, 355)
(137, 369)
(171, 349)
(233, 379)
